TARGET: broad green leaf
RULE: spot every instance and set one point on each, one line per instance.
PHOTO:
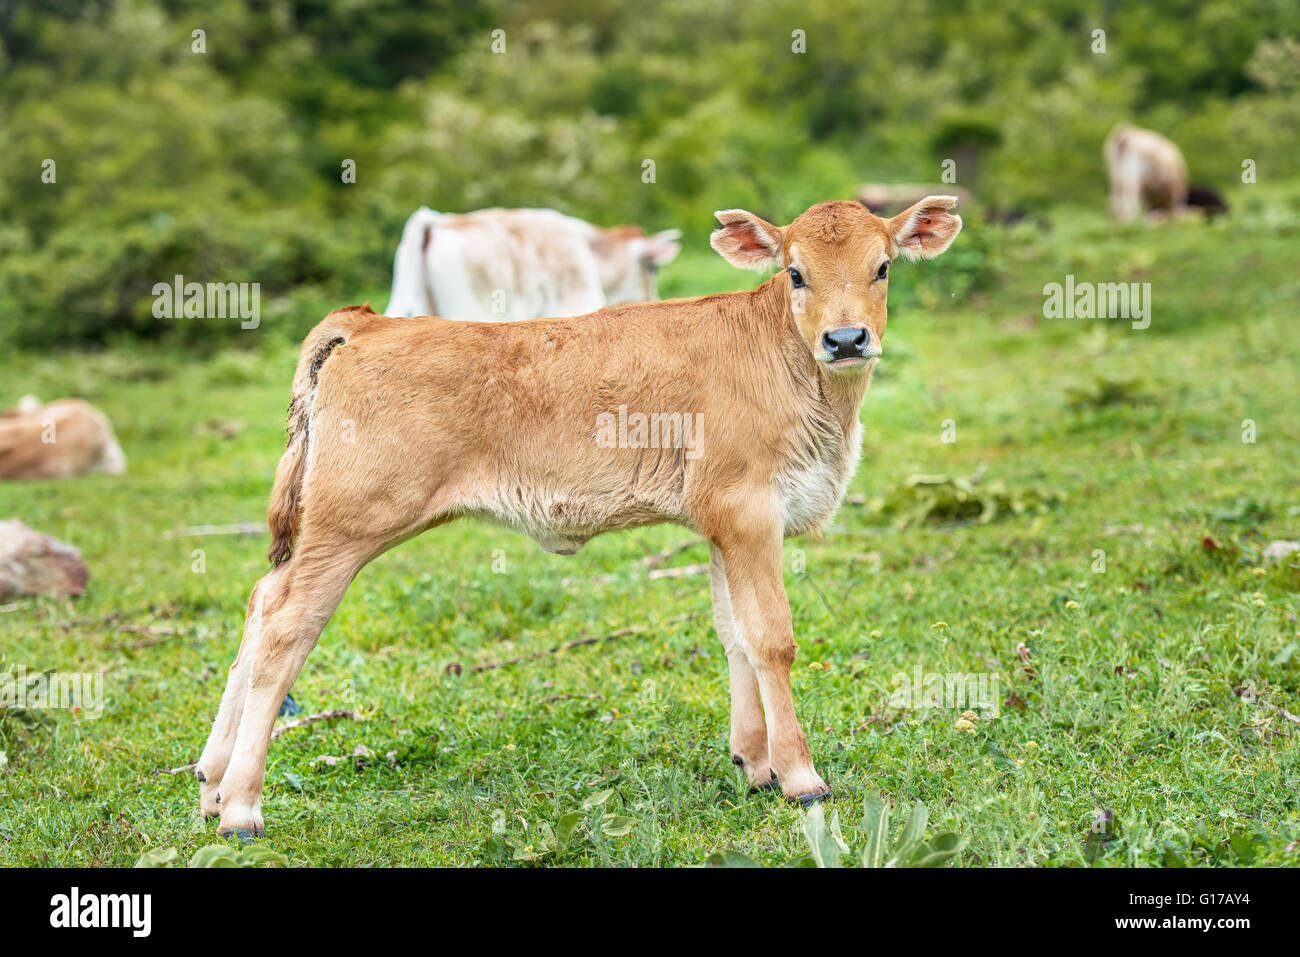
(566, 825)
(260, 854)
(159, 857)
(822, 846)
(616, 825)
(913, 831)
(729, 859)
(215, 855)
(496, 847)
(548, 842)
(597, 799)
(524, 852)
(836, 833)
(939, 851)
(875, 829)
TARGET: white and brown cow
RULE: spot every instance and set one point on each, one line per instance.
(502, 265)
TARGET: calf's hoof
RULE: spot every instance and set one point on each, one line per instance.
(759, 774)
(767, 785)
(808, 800)
(241, 821)
(805, 786)
(244, 835)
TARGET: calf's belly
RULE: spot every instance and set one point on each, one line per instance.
(563, 520)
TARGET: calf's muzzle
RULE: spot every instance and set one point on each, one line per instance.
(847, 343)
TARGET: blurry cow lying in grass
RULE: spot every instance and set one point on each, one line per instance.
(1147, 172)
(67, 437)
(398, 426)
(500, 265)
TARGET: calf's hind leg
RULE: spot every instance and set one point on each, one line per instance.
(294, 610)
(221, 741)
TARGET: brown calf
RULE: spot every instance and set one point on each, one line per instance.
(401, 425)
(61, 439)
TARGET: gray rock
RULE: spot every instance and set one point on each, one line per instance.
(32, 563)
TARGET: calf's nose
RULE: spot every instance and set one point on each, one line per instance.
(846, 343)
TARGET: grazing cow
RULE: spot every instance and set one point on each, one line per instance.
(886, 199)
(1146, 170)
(398, 426)
(67, 437)
(501, 265)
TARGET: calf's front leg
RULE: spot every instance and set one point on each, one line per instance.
(751, 557)
(748, 729)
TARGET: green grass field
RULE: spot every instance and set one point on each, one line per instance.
(1153, 686)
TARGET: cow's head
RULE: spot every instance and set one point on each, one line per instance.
(837, 258)
(629, 260)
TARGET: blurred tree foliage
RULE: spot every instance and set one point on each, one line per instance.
(225, 165)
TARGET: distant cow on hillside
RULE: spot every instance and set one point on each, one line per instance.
(1146, 171)
(67, 437)
(499, 265)
(891, 198)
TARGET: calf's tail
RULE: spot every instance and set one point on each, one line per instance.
(284, 513)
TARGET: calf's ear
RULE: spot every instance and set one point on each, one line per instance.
(927, 229)
(746, 240)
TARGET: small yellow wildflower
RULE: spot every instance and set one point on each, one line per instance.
(964, 725)
(1071, 605)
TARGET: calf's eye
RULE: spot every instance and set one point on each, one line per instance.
(795, 278)
(883, 271)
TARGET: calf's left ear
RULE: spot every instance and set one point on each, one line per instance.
(927, 229)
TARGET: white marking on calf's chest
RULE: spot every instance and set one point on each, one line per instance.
(811, 492)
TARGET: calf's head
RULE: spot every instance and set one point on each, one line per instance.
(837, 258)
(629, 261)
